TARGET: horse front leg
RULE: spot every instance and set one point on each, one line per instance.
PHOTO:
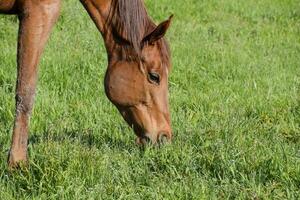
(36, 20)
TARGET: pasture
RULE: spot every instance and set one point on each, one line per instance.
(234, 98)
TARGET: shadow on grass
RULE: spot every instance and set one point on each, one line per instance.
(87, 138)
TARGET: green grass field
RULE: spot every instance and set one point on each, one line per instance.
(234, 97)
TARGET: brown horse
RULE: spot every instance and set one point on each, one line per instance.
(136, 80)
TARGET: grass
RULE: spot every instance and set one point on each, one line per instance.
(234, 96)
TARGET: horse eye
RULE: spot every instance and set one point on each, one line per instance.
(154, 77)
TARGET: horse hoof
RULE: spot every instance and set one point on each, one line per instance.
(17, 161)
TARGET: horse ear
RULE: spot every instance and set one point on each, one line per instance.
(158, 32)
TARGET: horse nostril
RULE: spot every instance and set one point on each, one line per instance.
(163, 138)
(143, 140)
(146, 140)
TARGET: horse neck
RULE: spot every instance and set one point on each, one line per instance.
(98, 11)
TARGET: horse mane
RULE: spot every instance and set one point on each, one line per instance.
(130, 21)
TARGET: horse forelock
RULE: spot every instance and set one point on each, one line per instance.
(129, 18)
